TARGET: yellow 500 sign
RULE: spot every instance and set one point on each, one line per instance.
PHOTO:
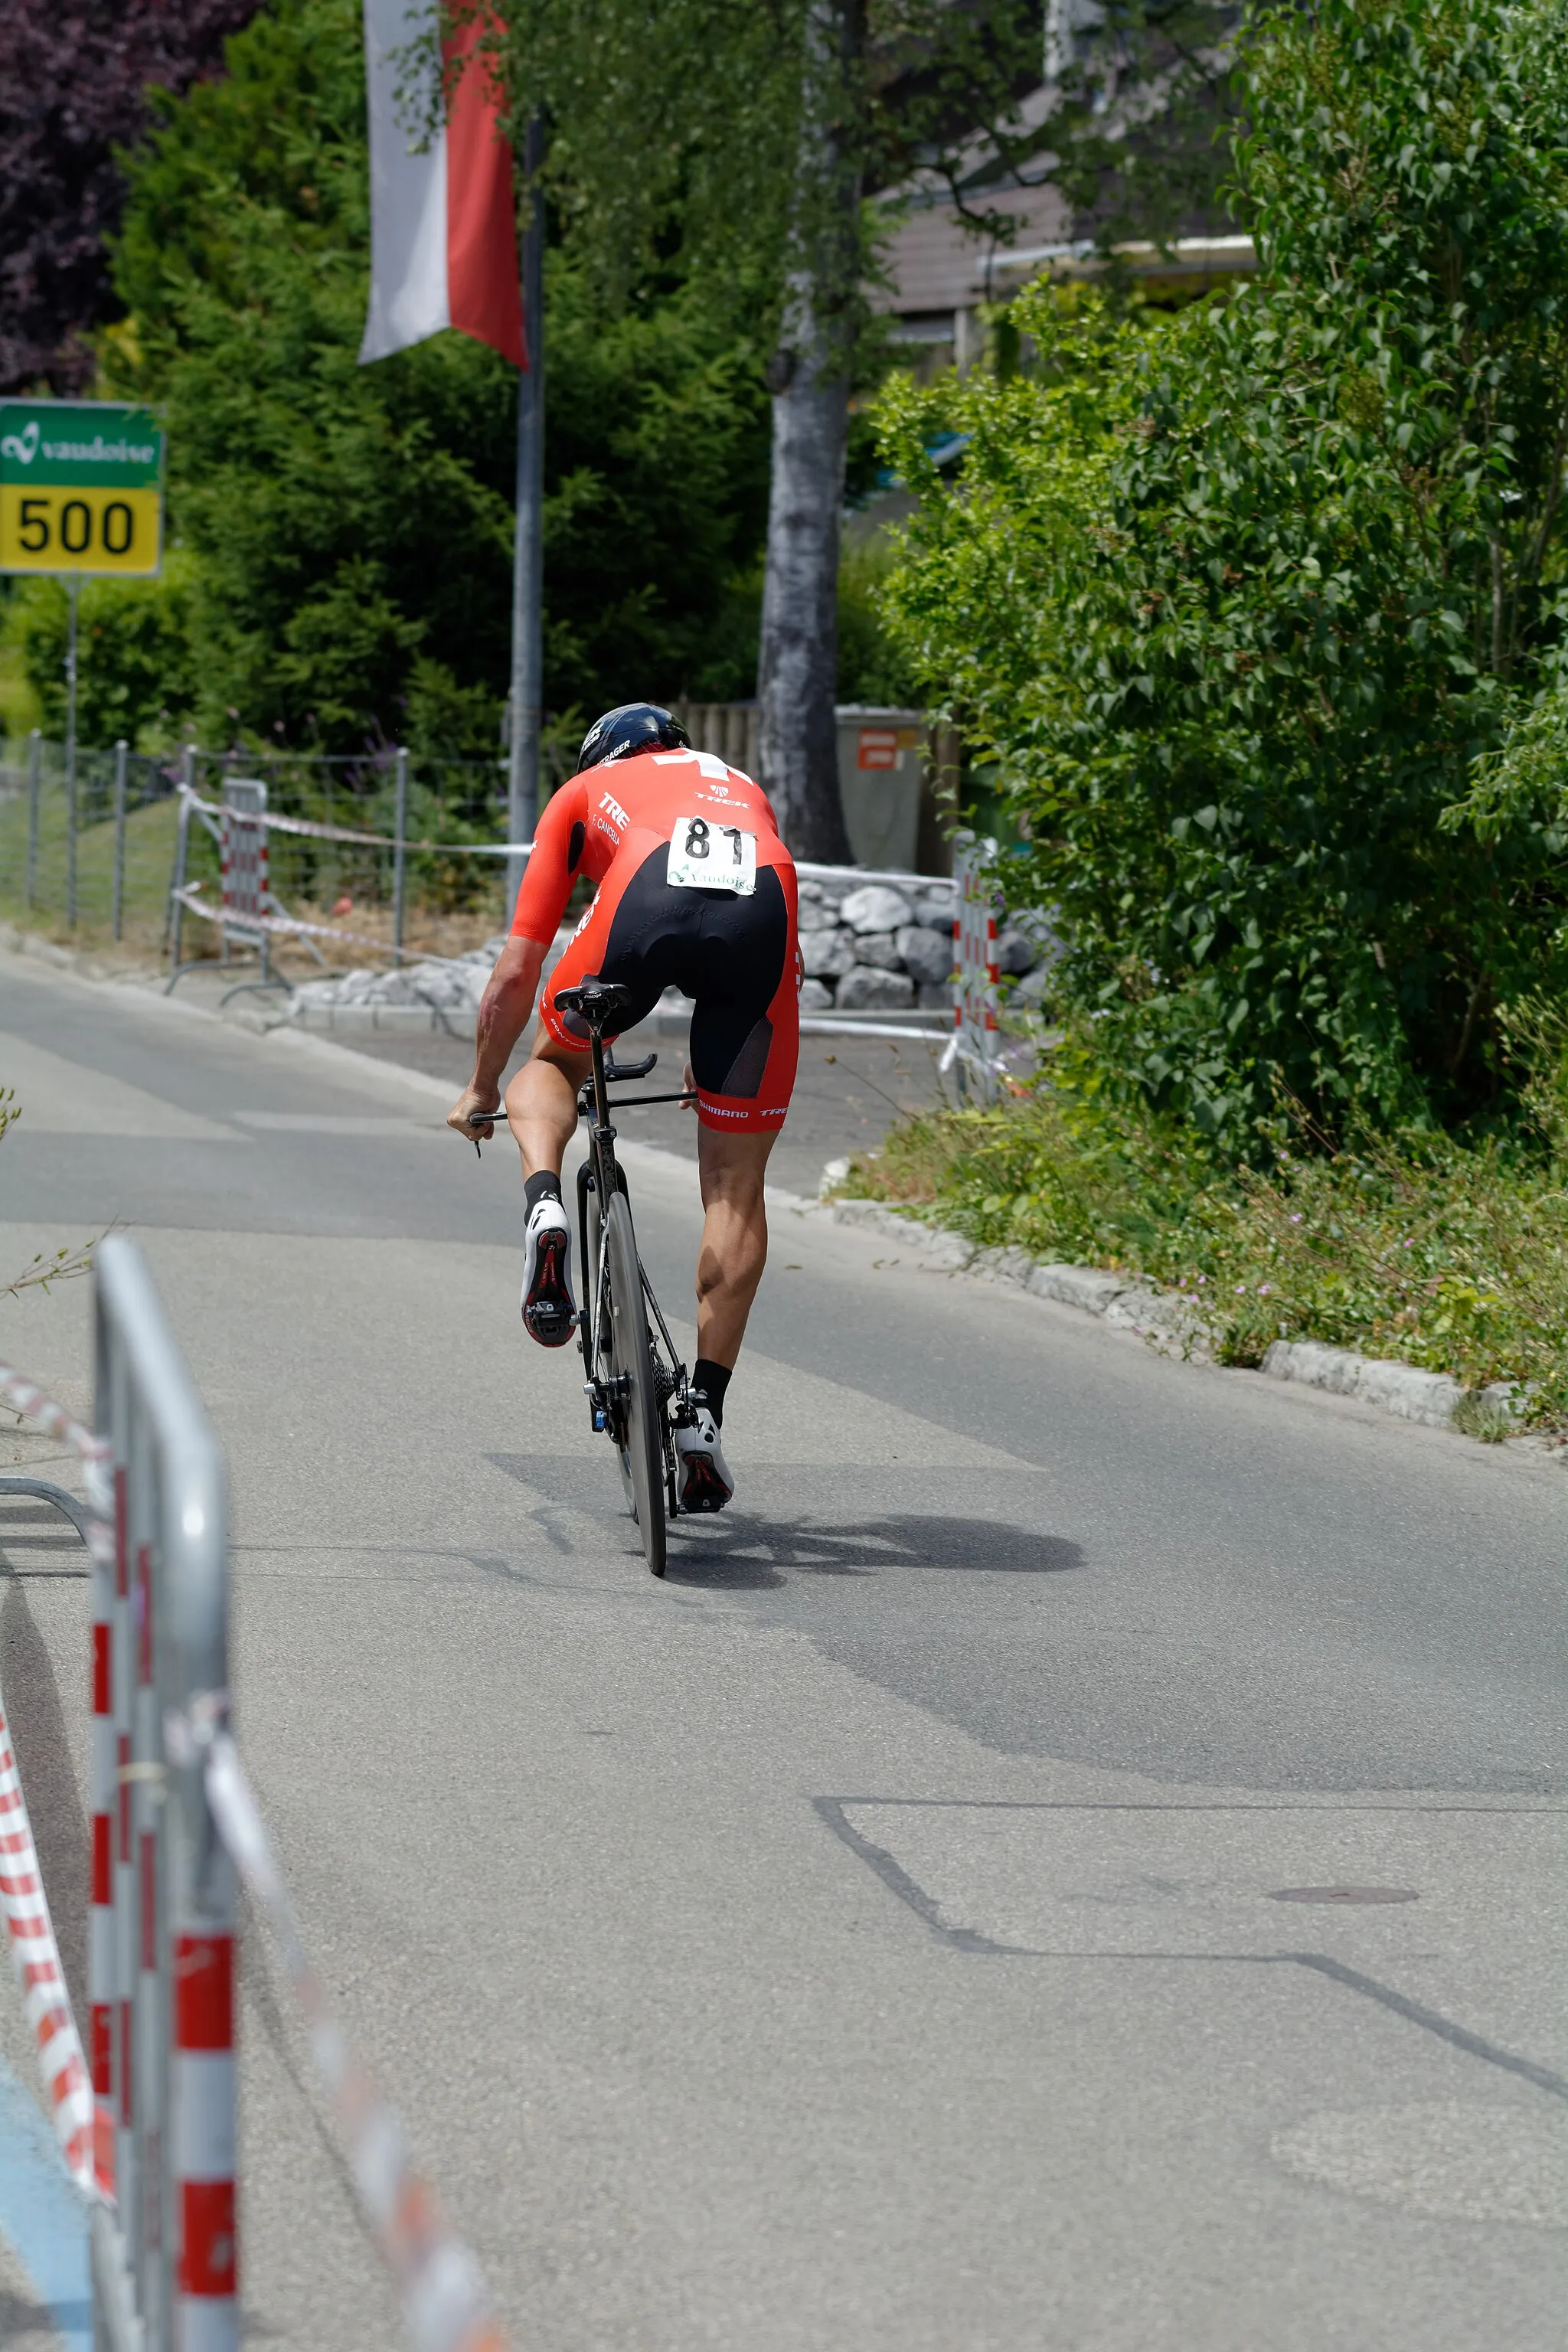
(80, 487)
(78, 530)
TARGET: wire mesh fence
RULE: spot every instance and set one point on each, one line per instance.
(87, 851)
(90, 855)
(441, 894)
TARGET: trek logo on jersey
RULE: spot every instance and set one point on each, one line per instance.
(607, 802)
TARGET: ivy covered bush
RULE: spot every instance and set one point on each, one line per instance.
(1241, 601)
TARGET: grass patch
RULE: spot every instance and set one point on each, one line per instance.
(433, 927)
(1482, 1417)
(1448, 1256)
(149, 860)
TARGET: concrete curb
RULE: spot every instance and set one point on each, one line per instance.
(1174, 1326)
(23, 942)
(390, 1020)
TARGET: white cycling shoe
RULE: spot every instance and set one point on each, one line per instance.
(705, 1483)
(549, 1314)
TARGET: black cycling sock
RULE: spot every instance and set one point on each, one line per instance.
(710, 1382)
(542, 1187)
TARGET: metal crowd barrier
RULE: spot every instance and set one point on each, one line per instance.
(174, 1827)
(161, 1956)
(972, 1048)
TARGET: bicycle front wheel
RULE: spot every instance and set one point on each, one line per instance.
(637, 1408)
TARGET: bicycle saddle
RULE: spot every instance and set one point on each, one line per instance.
(597, 1002)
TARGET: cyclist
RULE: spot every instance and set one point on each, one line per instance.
(694, 890)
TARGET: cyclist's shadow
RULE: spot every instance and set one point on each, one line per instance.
(744, 1551)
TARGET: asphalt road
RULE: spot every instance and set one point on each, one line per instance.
(847, 1089)
(873, 1936)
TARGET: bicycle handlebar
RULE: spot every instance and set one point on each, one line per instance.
(499, 1117)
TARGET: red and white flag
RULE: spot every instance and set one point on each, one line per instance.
(443, 221)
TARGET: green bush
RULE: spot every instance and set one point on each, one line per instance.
(1413, 1246)
(134, 673)
(1237, 601)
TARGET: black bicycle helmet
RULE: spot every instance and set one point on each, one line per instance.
(632, 727)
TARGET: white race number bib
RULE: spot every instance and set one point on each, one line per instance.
(706, 855)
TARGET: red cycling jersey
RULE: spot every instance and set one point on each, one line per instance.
(659, 834)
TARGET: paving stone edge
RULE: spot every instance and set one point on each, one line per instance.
(1172, 1324)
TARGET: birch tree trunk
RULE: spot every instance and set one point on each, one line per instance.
(797, 658)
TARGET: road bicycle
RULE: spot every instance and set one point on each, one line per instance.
(636, 1386)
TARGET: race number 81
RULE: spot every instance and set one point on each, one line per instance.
(51, 528)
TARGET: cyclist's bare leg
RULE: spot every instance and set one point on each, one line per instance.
(734, 1238)
(541, 1101)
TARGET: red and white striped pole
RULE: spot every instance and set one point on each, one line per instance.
(150, 2007)
(101, 1984)
(202, 2141)
(123, 1869)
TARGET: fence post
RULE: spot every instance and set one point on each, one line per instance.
(177, 930)
(400, 828)
(121, 760)
(35, 783)
(73, 591)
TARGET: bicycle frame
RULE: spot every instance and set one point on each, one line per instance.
(593, 1104)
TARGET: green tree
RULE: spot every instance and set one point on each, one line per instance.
(748, 142)
(351, 527)
(134, 676)
(1237, 600)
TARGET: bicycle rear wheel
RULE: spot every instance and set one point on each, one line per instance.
(638, 1410)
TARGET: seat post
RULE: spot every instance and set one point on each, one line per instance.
(601, 1098)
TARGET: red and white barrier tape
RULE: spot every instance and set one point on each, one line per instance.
(444, 2297)
(313, 831)
(25, 1397)
(29, 1930)
(195, 904)
(36, 1957)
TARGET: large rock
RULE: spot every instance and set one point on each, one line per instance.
(825, 891)
(879, 949)
(926, 956)
(448, 987)
(827, 953)
(1015, 954)
(451, 988)
(313, 995)
(815, 996)
(866, 990)
(937, 907)
(876, 907)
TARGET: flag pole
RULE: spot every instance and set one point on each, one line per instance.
(527, 566)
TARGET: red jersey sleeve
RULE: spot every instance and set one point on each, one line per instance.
(549, 875)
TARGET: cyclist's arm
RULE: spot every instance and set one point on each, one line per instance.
(503, 1015)
(508, 1000)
